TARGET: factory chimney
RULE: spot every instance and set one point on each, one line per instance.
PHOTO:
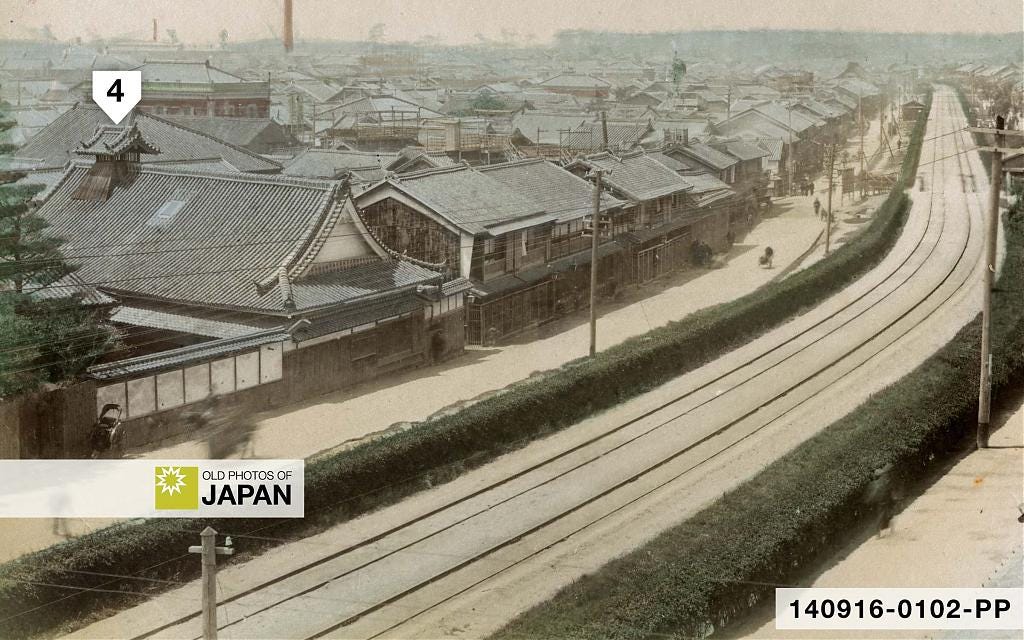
(288, 43)
(154, 29)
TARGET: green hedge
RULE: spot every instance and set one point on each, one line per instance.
(698, 576)
(346, 484)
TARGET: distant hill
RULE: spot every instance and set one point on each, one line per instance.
(798, 46)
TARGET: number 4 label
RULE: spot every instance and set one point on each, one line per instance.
(116, 92)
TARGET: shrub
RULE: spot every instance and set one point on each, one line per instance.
(802, 506)
(349, 483)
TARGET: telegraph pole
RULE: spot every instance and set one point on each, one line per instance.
(860, 125)
(991, 233)
(595, 230)
(828, 214)
(789, 155)
(210, 551)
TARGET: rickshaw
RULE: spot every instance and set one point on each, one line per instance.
(106, 433)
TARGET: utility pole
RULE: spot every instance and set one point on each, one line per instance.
(789, 155)
(209, 552)
(860, 125)
(828, 212)
(595, 230)
(312, 137)
(991, 233)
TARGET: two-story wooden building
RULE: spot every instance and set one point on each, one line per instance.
(665, 222)
(512, 229)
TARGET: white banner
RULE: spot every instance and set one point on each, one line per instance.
(151, 488)
(896, 608)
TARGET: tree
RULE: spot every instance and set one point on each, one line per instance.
(487, 102)
(223, 38)
(678, 71)
(45, 338)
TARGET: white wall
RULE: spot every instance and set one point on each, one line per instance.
(170, 389)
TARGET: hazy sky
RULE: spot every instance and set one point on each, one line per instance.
(458, 21)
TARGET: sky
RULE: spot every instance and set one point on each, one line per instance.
(459, 21)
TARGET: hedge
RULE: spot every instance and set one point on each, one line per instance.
(344, 485)
(701, 575)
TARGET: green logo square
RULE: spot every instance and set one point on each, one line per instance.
(177, 488)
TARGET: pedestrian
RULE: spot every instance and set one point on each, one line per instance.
(811, 189)
(817, 207)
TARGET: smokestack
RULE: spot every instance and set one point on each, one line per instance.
(288, 43)
(154, 29)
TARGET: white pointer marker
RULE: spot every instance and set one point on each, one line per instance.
(116, 92)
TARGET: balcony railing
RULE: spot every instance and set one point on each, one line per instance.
(493, 269)
(532, 258)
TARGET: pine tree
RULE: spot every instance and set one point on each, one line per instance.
(43, 339)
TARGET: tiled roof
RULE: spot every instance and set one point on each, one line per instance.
(590, 136)
(380, 277)
(554, 189)
(366, 175)
(708, 155)
(384, 105)
(232, 230)
(638, 176)
(328, 163)
(238, 131)
(752, 124)
(357, 315)
(744, 150)
(821, 109)
(185, 356)
(545, 128)
(185, 72)
(669, 161)
(150, 318)
(858, 87)
(457, 285)
(319, 91)
(45, 178)
(786, 117)
(575, 80)
(773, 146)
(112, 139)
(409, 157)
(52, 146)
(468, 199)
(705, 182)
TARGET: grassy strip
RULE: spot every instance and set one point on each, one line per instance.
(693, 579)
(347, 484)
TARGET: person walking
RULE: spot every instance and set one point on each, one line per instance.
(817, 208)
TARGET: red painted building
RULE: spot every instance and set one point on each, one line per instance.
(198, 89)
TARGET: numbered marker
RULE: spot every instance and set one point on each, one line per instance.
(116, 92)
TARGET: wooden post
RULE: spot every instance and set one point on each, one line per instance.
(828, 214)
(209, 550)
(595, 230)
(991, 237)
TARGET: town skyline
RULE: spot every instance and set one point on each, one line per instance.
(529, 22)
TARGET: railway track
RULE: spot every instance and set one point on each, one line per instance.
(619, 467)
